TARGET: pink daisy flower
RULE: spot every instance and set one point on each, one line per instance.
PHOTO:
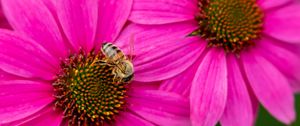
(49, 69)
(228, 56)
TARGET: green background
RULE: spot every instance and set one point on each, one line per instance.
(265, 119)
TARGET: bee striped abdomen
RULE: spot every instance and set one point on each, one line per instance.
(123, 67)
(112, 51)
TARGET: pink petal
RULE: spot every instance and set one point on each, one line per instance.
(137, 85)
(129, 119)
(6, 76)
(181, 84)
(4, 23)
(238, 110)
(3, 20)
(52, 5)
(170, 65)
(270, 86)
(51, 118)
(163, 11)
(159, 50)
(269, 4)
(79, 21)
(283, 24)
(296, 86)
(255, 103)
(113, 15)
(159, 107)
(32, 18)
(26, 58)
(147, 38)
(209, 89)
(22, 98)
(285, 59)
(31, 117)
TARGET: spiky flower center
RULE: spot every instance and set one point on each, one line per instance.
(86, 92)
(231, 24)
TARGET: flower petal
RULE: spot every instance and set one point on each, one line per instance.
(283, 24)
(79, 21)
(6, 76)
(286, 59)
(269, 4)
(160, 52)
(113, 15)
(238, 110)
(169, 65)
(270, 86)
(296, 86)
(209, 89)
(163, 11)
(23, 57)
(3, 21)
(129, 119)
(159, 107)
(147, 38)
(52, 5)
(137, 85)
(22, 98)
(181, 84)
(32, 18)
(51, 118)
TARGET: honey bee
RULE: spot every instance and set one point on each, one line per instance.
(122, 65)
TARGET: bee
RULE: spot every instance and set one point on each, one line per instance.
(122, 65)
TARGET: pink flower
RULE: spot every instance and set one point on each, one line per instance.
(50, 75)
(227, 56)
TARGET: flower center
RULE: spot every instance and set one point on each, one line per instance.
(86, 91)
(231, 24)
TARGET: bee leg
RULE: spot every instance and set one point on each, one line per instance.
(115, 79)
(100, 62)
(103, 62)
(106, 62)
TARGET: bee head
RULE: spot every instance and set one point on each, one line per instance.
(128, 79)
(127, 70)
